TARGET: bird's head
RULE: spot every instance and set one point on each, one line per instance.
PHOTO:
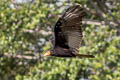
(52, 41)
(48, 53)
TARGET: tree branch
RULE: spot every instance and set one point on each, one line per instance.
(18, 56)
(99, 12)
(107, 11)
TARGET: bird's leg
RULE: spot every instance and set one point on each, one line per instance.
(74, 50)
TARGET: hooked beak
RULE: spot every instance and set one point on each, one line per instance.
(47, 53)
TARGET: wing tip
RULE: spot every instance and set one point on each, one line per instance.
(75, 9)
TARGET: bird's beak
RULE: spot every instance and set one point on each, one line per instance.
(47, 53)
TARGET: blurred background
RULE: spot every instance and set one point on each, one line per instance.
(25, 29)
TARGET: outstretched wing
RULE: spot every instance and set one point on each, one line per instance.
(68, 32)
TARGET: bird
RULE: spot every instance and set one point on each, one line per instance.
(68, 35)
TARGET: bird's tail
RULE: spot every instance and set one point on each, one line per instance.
(84, 56)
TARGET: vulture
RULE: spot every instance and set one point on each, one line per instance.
(68, 34)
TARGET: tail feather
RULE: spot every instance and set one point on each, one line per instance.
(84, 56)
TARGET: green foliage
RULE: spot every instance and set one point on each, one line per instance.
(26, 30)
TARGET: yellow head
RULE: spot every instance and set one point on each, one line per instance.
(48, 53)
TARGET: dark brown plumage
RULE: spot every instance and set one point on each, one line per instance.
(68, 34)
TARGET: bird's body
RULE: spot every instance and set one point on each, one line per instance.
(68, 34)
(62, 52)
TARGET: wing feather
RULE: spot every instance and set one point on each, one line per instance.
(69, 33)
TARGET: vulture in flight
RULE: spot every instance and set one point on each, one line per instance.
(68, 34)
